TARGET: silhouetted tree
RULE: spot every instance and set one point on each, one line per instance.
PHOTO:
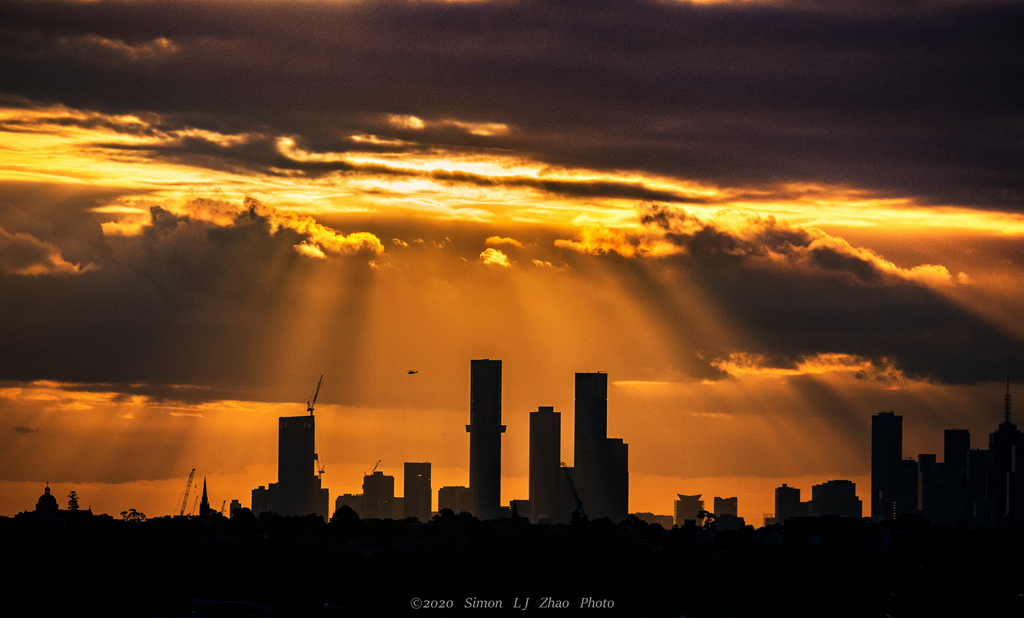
(708, 518)
(133, 515)
(444, 515)
(243, 518)
(73, 501)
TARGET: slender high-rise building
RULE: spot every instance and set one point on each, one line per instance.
(601, 464)
(298, 490)
(591, 420)
(616, 479)
(886, 455)
(485, 431)
(546, 476)
(956, 454)
(591, 429)
(1005, 448)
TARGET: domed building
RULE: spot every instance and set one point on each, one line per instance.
(47, 503)
(48, 511)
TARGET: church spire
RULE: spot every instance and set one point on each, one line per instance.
(204, 506)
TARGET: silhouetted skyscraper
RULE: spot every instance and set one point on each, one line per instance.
(977, 480)
(485, 431)
(936, 489)
(298, 486)
(1005, 448)
(956, 455)
(297, 490)
(886, 458)
(956, 446)
(787, 503)
(591, 429)
(547, 496)
(616, 479)
(601, 464)
(417, 491)
(378, 495)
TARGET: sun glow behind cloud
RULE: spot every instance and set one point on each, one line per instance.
(65, 145)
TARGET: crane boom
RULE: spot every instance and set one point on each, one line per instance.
(572, 487)
(188, 488)
(312, 403)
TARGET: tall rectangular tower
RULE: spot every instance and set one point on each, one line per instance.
(545, 465)
(886, 458)
(615, 479)
(485, 431)
(601, 464)
(591, 420)
(298, 486)
(956, 454)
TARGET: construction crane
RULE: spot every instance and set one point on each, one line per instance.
(374, 468)
(310, 404)
(309, 408)
(572, 487)
(223, 505)
(188, 488)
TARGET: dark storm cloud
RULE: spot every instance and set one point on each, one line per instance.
(189, 310)
(261, 153)
(917, 98)
(796, 293)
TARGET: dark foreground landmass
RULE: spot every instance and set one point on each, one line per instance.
(457, 565)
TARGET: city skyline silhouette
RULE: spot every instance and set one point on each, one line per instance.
(764, 221)
(297, 490)
(759, 230)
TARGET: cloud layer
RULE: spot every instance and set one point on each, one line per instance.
(796, 294)
(749, 94)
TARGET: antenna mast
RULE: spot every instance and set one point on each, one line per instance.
(1006, 409)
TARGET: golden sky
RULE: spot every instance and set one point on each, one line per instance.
(766, 222)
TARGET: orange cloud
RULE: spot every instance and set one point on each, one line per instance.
(319, 240)
(494, 257)
(741, 364)
(498, 241)
(23, 254)
(597, 240)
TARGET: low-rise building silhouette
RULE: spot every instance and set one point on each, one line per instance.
(687, 508)
(455, 498)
